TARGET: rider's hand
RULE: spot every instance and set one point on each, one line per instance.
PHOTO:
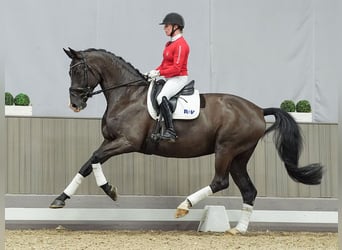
(146, 75)
(153, 74)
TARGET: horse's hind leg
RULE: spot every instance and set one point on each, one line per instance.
(219, 182)
(241, 178)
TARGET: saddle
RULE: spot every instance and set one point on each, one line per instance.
(188, 89)
(185, 105)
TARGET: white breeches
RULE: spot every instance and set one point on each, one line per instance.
(172, 86)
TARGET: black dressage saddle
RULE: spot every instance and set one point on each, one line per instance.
(157, 87)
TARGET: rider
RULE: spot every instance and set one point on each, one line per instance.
(173, 67)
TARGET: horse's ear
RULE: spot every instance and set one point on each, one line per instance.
(69, 54)
(72, 53)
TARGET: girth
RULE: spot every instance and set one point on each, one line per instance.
(157, 87)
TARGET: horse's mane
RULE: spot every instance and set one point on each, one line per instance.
(117, 59)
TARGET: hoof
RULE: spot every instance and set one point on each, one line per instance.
(113, 193)
(57, 204)
(181, 212)
(234, 231)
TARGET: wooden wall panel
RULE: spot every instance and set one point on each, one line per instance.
(44, 154)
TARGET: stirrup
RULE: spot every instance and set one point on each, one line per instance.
(169, 135)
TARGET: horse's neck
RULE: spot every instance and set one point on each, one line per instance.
(115, 73)
(116, 94)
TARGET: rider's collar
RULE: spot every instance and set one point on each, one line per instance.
(174, 38)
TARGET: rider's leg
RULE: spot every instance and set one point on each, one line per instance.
(170, 133)
(172, 87)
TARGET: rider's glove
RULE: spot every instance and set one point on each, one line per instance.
(153, 74)
(146, 75)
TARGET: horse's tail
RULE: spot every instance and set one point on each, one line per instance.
(288, 141)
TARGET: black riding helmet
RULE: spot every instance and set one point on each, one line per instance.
(173, 19)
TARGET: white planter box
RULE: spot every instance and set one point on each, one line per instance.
(301, 117)
(18, 110)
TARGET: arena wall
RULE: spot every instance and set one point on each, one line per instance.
(44, 154)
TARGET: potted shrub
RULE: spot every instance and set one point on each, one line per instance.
(288, 106)
(303, 106)
(22, 100)
(303, 111)
(9, 100)
(21, 105)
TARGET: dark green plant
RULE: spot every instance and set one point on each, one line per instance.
(303, 106)
(288, 106)
(9, 100)
(21, 100)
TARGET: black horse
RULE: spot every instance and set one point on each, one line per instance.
(228, 126)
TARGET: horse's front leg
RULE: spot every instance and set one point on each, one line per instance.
(107, 149)
(71, 189)
(90, 166)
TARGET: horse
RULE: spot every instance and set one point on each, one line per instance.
(228, 126)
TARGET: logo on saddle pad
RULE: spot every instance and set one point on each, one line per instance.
(185, 105)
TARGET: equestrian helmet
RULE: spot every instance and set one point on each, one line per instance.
(174, 19)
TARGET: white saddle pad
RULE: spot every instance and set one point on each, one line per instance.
(188, 106)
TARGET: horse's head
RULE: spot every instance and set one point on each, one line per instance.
(84, 79)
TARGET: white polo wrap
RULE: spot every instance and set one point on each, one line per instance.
(74, 184)
(200, 195)
(246, 213)
(98, 173)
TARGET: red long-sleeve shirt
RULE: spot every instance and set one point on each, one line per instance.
(175, 59)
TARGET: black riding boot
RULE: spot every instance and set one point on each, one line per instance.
(170, 133)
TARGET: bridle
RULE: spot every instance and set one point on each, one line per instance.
(87, 92)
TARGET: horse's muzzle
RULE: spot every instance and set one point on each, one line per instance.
(78, 98)
(77, 108)
(74, 108)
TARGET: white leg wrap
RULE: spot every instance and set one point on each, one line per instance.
(99, 176)
(200, 195)
(74, 184)
(246, 213)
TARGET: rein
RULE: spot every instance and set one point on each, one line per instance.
(127, 84)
